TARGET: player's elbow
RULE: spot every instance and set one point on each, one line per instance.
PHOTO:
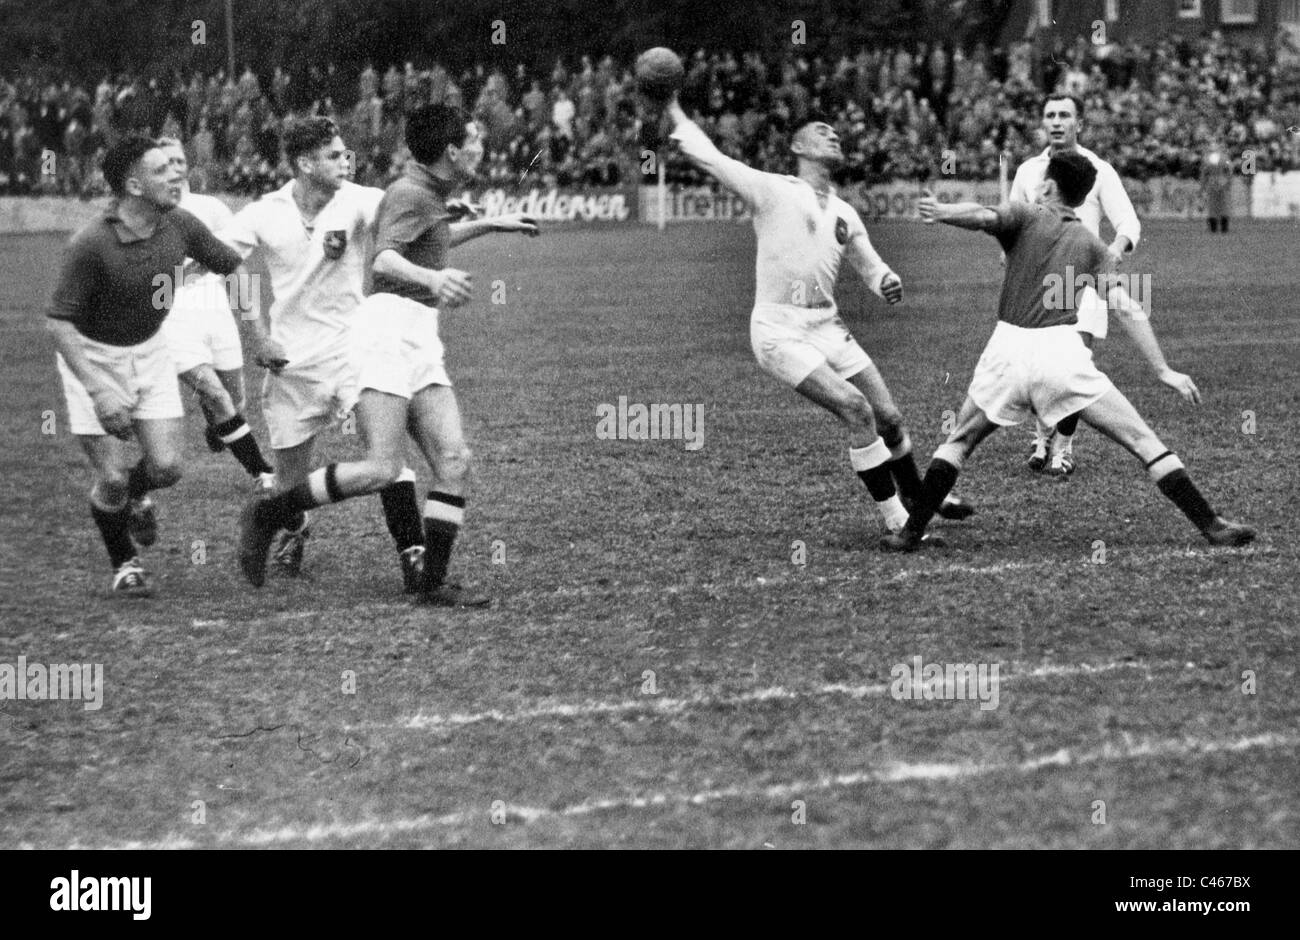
(385, 261)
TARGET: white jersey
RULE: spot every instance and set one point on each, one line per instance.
(800, 242)
(1106, 196)
(317, 273)
(206, 293)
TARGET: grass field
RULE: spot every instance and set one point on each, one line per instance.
(770, 722)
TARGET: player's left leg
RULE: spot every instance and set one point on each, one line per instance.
(1061, 459)
(292, 465)
(973, 426)
(232, 380)
(381, 417)
(227, 422)
(868, 455)
(892, 430)
(434, 422)
(159, 467)
(111, 510)
(1115, 416)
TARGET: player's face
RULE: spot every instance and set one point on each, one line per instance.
(176, 157)
(155, 180)
(470, 154)
(1061, 123)
(328, 166)
(819, 142)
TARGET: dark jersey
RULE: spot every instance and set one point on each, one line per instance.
(1051, 257)
(109, 286)
(413, 220)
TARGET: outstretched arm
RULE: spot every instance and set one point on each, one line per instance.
(1137, 325)
(462, 232)
(746, 182)
(969, 215)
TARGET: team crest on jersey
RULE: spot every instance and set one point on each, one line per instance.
(335, 244)
(841, 231)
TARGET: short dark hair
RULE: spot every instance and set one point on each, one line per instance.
(1074, 175)
(432, 128)
(122, 157)
(1064, 96)
(304, 135)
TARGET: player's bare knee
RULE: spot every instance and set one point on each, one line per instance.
(453, 463)
(889, 425)
(110, 488)
(164, 473)
(381, 471)
(855, 411)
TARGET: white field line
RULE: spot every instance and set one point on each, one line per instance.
(673, 706)
(889, 773)
(1115, 557)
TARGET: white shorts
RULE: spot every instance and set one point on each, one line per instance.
(395, 346)
(1092, 313)
(301, 402)
(789, 342)
(143, 375)
(1048, 370)
(202, 335)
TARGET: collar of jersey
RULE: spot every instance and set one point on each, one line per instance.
(421, 174)
(125, 236)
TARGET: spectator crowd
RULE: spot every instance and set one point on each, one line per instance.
(903, 113)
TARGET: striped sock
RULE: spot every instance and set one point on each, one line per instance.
(287, 509)
(871, 463)
(238, 436)
(443, 515)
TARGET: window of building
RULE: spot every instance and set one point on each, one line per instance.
(1189, 9)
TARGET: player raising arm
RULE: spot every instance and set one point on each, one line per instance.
(1062, 121)
(805, 231)
(1036, 360)
(396, 356)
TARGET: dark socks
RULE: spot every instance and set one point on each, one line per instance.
(285, 509)
(236, 434)
(906, 477)
(443, 514)
(402, 513)
(1182, 492)
(880, 484)
(114, 527)
(938, 483)
(137, 482)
